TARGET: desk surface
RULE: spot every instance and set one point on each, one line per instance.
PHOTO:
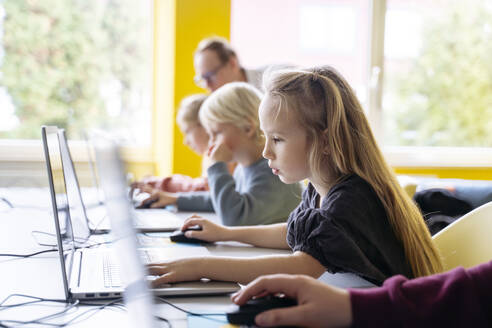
(41, 275)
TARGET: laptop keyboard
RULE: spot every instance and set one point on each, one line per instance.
(146, 241)
(157, 218)
(111, 272)
(150, 257)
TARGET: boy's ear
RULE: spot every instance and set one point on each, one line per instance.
(250, 129)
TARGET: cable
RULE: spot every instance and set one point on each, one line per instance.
(12, 205)
(96, 244)
(29, 255)
(52, 250)
(101, 220)
(101, 307)
(36, 299)
(204, 315)
(42, 320)
(80, 240)
(165, 320)
(6, 201)
(84, 240)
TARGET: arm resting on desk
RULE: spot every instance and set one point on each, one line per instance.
(242, 270)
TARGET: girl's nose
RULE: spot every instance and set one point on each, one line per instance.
(266, 152)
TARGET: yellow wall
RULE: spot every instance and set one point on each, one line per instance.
(472, 173)
(180, 25)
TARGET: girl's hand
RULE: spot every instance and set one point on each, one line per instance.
(157, 198)
(210, 231)
(319, 305)
(175, 271)
(219, 152)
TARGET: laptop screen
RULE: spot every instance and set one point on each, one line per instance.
(78, 214)
(59, 201)
(92, 166)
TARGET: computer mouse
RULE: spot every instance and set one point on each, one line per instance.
(178, 236)
(245, 314)
(146, 204)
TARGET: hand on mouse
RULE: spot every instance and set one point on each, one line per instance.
(210, 231)
(158, 198)
(320, 305)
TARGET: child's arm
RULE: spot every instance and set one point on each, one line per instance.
(263, 198)
(270, 236)
(242, 270)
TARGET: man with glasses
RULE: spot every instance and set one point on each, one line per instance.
(216, 64)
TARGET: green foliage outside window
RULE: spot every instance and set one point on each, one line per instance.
(445, 97)
(65, 61)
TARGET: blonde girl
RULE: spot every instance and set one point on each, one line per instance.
(354, 216)
(252, 195)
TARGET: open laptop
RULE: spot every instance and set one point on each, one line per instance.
(95, 218)
(92, 167)
(94, 273)
(137, 200)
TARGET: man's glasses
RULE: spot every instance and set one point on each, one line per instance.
(203, 80)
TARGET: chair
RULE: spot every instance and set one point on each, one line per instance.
(467, 241)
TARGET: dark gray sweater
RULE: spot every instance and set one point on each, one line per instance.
(254, 195)
(349, 232)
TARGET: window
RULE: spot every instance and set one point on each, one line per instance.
(434, 71)
(78, 65)
(305, 33)
(438, 73)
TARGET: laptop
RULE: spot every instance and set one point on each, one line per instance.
(95, 218)
(136, 198)
(94, 273)
(92, 167)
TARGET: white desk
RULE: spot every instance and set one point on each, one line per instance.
(41, 275)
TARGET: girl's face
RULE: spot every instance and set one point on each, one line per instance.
(195, 137)
(286, 146)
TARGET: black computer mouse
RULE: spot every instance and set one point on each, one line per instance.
(245, 314)
(178, 236)
(146, 204)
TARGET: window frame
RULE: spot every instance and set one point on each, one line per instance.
(408, 156)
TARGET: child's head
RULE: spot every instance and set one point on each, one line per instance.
(230, 115)
(189, 123)
(318, 109)
(321, 106)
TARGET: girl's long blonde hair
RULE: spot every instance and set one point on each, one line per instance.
(341, 139)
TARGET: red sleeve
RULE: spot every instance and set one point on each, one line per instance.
(458, 298)
(183, 183)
